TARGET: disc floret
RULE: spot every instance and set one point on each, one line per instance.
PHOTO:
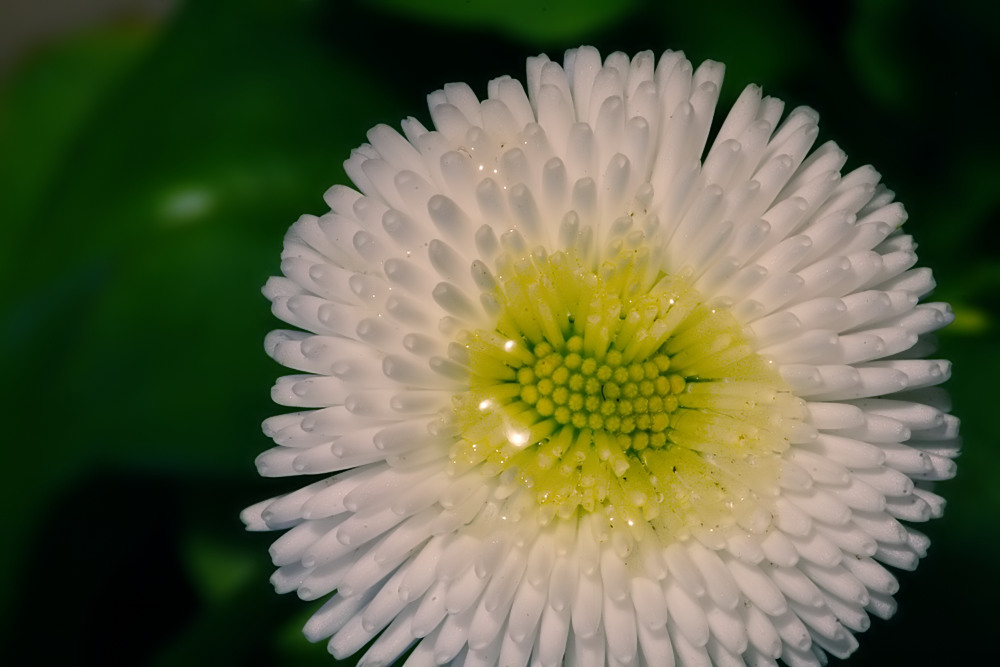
(631, 401)
(615, 389)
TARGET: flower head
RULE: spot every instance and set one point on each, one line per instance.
(581, 390)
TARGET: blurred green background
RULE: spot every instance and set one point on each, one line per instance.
(150, 166)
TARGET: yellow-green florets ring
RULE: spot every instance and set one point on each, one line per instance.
(614, 389)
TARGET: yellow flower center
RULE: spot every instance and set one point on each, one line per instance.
(614, 389)
(630, 400)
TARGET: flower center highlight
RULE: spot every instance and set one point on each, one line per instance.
(614, 389)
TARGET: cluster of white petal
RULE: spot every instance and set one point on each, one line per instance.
(455, 568)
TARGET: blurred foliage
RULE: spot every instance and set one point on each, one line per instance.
(147, 175)
(531, 21)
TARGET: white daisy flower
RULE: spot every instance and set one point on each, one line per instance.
(580, 390)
